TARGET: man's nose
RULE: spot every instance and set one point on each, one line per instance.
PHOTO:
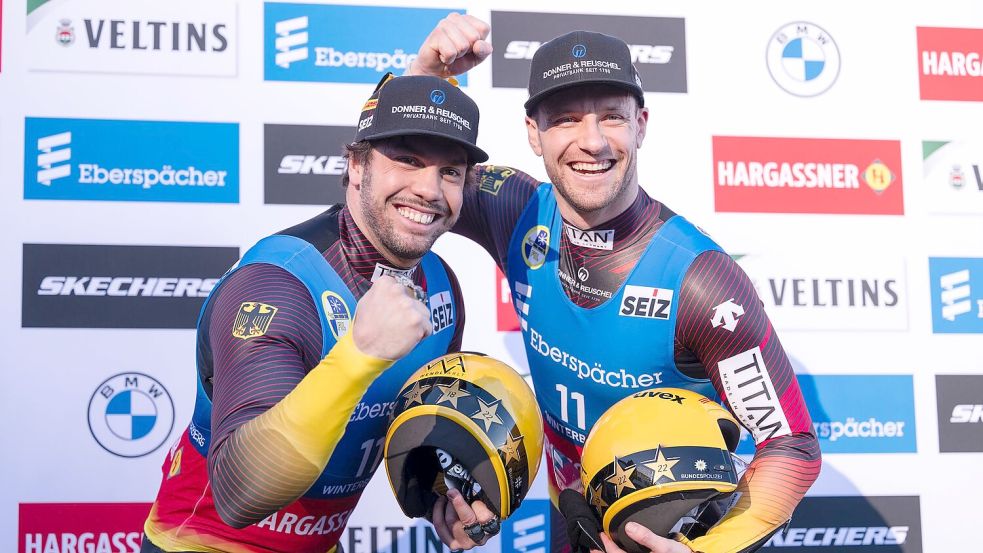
(426, 184)
(590, 138)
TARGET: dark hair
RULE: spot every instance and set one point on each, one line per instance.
(359, 153)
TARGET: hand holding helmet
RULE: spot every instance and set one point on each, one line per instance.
(464, 446)
(679, 461)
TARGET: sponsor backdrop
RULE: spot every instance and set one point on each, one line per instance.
(144, 145)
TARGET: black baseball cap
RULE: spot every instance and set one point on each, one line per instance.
(421, 105)
(581, 57)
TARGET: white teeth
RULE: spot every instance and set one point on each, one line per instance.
(597, 166)
(414, 215)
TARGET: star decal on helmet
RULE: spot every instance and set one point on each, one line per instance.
(451, 393)
(596, 497)
(487, 413)
(511, 448)
(415, 394)
(621, 478)
(661, 467)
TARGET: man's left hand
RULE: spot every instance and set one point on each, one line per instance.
(456, 44)
(452, 516)
(646, 538)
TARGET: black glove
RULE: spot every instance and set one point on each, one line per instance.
(583, 526)
(420, 472)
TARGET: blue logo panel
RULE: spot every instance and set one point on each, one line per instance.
(957, 294)
(154, 161)
(528, 529)
(858, 413)
(343, 44)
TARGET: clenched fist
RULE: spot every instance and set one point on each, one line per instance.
(389, 320)
(455, 45)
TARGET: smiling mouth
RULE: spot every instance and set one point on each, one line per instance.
(593, 168)
(416, 216)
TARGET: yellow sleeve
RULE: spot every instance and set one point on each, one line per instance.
(271, 460)
(770, 489)
(314, 415)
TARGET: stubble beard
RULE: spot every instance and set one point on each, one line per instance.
(405, 247)
(588, 201)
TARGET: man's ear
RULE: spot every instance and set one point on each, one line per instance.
(642, 122)
(532, 130)
(355, 172)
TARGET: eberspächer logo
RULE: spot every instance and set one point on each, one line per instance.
(163, 161)
(847, 419)
(328, 43)
(957, 294)
(131, 414)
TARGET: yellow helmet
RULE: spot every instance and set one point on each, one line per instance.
(469, 417)
(654, 456)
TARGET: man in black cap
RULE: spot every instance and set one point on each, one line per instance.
(295, 387)
(616, 293)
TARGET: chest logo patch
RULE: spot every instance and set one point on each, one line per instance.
(593, 239)
(646, 302)
(337, 312)
(535, 246)
(441, 311)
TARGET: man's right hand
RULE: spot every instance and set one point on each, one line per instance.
(455, 45)
(390, 321)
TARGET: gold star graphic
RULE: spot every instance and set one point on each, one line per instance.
(621, 478)
(511, 448)
(661, 467)
(415, 394)
(487, 413)
(596, 499)
(452, 393)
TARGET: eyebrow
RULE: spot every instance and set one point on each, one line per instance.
(404, 144)
(605, 106)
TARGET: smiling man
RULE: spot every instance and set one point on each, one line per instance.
(295, 387)
(616, 293)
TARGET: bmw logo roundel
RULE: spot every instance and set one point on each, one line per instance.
(579, 51)
(803, 59)
(131, 414)
(437, 96)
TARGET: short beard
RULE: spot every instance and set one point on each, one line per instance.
(391, 240)
(589, 202)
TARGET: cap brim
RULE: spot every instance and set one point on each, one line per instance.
(475, 154)
(533, 101)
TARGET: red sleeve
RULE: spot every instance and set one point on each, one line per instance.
(251, 375)
(722, 322)
(493, 207)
